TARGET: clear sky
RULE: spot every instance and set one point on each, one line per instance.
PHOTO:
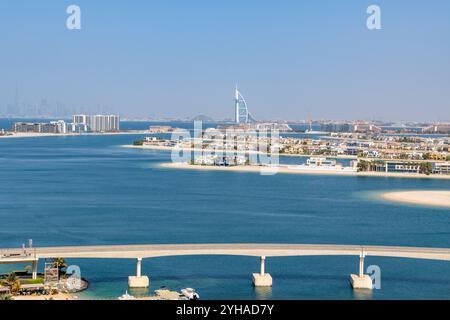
(166, 58)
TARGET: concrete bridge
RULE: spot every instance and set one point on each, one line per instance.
(139, 252)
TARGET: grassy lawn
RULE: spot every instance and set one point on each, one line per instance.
(32, 281)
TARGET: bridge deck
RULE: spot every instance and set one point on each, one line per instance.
(255, 250)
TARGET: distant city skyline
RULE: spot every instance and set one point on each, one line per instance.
(47, 108)
(292, 60)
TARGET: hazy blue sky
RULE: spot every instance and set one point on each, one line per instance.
(163, 58)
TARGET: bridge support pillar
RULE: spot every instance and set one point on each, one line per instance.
(35, 269)
(262, 279)
(361, 281)
(139, 281)
(139, 268)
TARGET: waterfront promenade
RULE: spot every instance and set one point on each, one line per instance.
(139, 252)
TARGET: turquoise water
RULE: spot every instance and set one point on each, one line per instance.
(89, 190)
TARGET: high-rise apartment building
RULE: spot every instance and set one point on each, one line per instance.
(98, 123)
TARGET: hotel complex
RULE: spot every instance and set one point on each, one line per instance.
(50, 127)
(80, 124)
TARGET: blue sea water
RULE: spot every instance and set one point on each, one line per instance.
(89, 190)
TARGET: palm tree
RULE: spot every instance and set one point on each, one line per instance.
(363, 165)
(28, 269)
(60, 263)
(12, 282)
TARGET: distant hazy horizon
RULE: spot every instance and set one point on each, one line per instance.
(292, 60)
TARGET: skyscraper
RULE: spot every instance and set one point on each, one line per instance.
(242, 115)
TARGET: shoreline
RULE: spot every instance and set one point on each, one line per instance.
(341, 157)
(285, 169)
(56, 297)
(45, 135)
(420, 197)
(165, 148)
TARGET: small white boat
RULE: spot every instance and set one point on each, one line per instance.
(190, 294)
(314, 132)
(126, 296)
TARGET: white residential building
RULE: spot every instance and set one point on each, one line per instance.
(98, 123)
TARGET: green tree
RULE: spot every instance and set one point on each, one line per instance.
(12, 282)
(61, 264)
(363, 166)
(426, 168)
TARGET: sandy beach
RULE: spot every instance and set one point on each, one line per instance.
(43, 135)
(57, 297)
(285, 169)
(421, 197)
(35, 135)
(346, 157)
